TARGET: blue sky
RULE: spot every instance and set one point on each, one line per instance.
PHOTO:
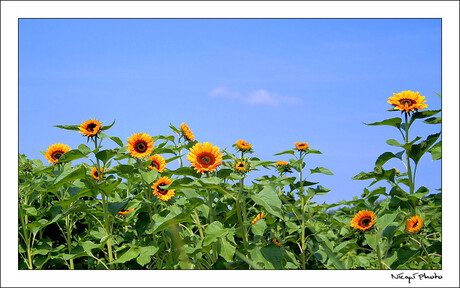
(271, 82)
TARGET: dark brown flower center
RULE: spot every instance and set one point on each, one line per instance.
(409, 102)
(96, 174)
(241, 165)
(415, 224)
(207, 159)
(155, 165)
(365, 222)
(57, 155)
(141, 147)
(91, 127)
(161, 190)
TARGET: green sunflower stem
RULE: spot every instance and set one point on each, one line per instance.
(409, 170)
(379, 256)
(302, 214)
(240, 220)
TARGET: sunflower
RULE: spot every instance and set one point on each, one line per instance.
(414, 224)
(283, 167)
(163, 194)
(95, 174)
(158, 162)
(276, 242)
(90, 127)
(140, 145)
(243, 145)
(408, 101)
(281, 163)
(363, 220)
(55, 151)
(396, 171)
(242, 166)
(204, 157)
(187, 133)
(301, 146)
(124, 212)
(258, 217)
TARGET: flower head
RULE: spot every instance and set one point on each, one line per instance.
(90, 127)
(125, 212)
(283, 167)
(95, 174)
(242, 166)
(163, 194)
(301, 146)
(363, 220)
(243, 145)
(258, 217)
(158, 163)
(407, 101)
(55, 151)
(187, 133)
(140, 145)
(205, 157)
(276, 242)
(414, 224)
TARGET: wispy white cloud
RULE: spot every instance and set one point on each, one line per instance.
(257, 97)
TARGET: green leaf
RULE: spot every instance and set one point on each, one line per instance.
(313, 151)
(117, 140)
(335, 261)
(84, 149)
(69, 127)
(226, 249)
(435, 151)
(285, 152)
(186, 171)
(387, 156)
(114, 207)
(78, 207)
(149, 176)
(321, 170)
(424, 114)
(384, 221)
(214, 231)
(145, 254)
(259, 227)
(319, 190)
(395, 122)
(175, 130)
(71, 155)
(376, 191)
(88, 246)
(143, 221)
(372, 240)
(210, 180)
(108, 127)
(416, 151)
(273, 254)
(433, 120)
(269, 199)
(130, 254)
(106, 155)
(77, 172)
(123, 169)
(393, 142)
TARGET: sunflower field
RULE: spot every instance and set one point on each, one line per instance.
(123, 208)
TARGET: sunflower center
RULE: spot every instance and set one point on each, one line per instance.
(207, 159)
(155, 164)
(161, 190)
(141, 147)
(365, 222)
(57, 155)
(91, 127)
(96, 174)
(241, 165)
(415, 224)
(409, 102)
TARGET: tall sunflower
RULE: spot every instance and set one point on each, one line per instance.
(187, 133)
(257, 218)
(163, 194)
(140, 145)
(414, 224)
(158, 163)
(205, 157)
(408, 101)
(301, 146)
(363, 220)
(55, 151)
(95, 174)
(90, 127)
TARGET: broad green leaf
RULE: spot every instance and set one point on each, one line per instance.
(384, 221)
(130, 254)
(84, 149)
(376, 191)
(211, 180)
(285, 152)
(435, 151)
(145, 254)
(69, 127)
(107, 127)
(143, 221)
(71, 155)
(214, 231)
(319, 190)
(387, 156)
(269, 199)
(114, 207)
(424, 114)
(226, 249)
(395, 122)
(394, 142)
(433, 120)
(416, 151)
(78, 207)
(88, 246)
(186, 171)
(77, 172)
(106, 155)
(124, 169)
(321, 170)
(259, 227)
(313, 151)
(149, 176)
(175, 215)
(372, 240)
(273, 254)
(331, 255)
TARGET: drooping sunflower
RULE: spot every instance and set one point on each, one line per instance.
(187, 133)
(301, 146)
(205, 157)
(125, 212)
(258, 217)
(158, 163)
(55, 151)
(276, 242)
(283, 167)
(363, 220)
(163, 194)
(408, 101)
(414, 224)
(243, 145)
(95, 174)
(140, 145)
(90, 127)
